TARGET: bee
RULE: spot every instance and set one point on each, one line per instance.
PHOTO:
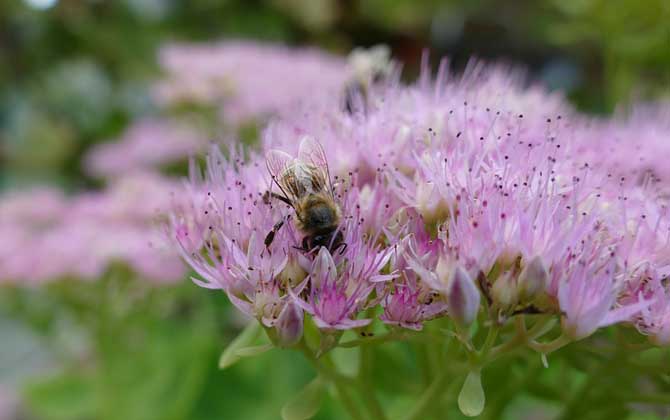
(304, 184)
(369, 67)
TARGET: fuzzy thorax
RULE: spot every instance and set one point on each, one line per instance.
(317, 213)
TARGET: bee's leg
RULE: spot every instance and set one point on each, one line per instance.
(269, 194)
(337, 243)
(305, 244)
(342, 246)
(530, 310)
(271, 235)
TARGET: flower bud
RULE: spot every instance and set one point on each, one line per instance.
(293, 273)
(289, 325)
(430, 205)
(443, 270)
(462, 297)
(505, 291)
(533, 279)
(661, 337)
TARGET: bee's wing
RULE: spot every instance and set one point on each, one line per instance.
(278, 163)
(311, 153)
(280, 166)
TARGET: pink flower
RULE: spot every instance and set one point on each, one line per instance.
(334, 299)
(408, 305)
(248, 80)
(147, 144)
(654, 319)
(9, 403)
(36, 207)
(587, 298)
(290, 325)
(450, 189)
(55, 237)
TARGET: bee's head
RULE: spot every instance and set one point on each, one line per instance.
(333, 240)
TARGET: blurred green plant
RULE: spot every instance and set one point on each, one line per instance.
(631, 38)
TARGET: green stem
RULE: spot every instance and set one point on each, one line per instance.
(658, 398)
(488, 343)
(425, 336)
(429, 396)
(552, 346)
(336, 379)
(520, 324)
(513, 344)
(366, 385)
(347, 401)
(382, 338)
(525, 337)
(496, 406)
(542, 326)
(571, 406)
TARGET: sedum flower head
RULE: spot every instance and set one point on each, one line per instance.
(457, 193)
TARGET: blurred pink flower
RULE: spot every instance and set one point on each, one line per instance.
(146, 144)
(81, 236)
(630, 147)
(248, 80)
(40, 206)
(8, 404)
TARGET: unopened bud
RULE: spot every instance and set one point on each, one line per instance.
(289, 325)
(443, 270)
(505, 291)
(462, 297)
(293, 273)
(431, 206)
(533, 279)
(661, 337)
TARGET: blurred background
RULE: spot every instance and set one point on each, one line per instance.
(98, 116)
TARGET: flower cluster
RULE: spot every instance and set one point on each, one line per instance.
(49, 236)
(147, 144)
(463, 196)
(247, 80)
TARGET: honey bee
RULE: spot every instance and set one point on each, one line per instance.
(369, 67)
(304, 184)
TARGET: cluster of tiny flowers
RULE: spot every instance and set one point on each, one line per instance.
(461, 196)
(247, 80)
(146, 144)
(50, 236)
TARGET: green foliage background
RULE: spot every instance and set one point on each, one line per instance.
(75, 74)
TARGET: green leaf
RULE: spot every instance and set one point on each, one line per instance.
(62, 397)
(346, 361)
(471, 399)
(306, 403)
(248, 335)
(253, 350)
